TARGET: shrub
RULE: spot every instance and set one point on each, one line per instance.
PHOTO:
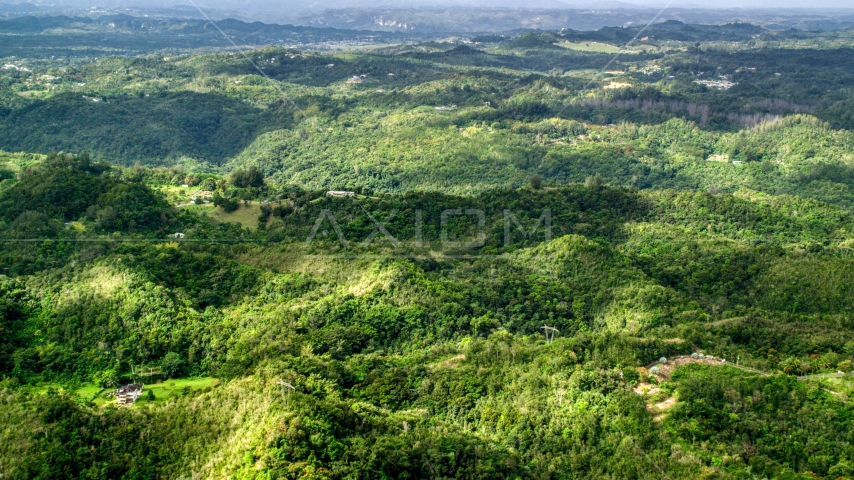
(228, 205)
(631, 375)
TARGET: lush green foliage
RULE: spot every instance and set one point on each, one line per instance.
(456, 119)
(398, 332)
(405, 356)
(67, 188)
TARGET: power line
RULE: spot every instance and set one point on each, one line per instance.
(243, 53)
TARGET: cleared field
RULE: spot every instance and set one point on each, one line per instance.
(88, 391)
(162, 391)
(84, 393)
(590, 47)
(176, 195)
(245, 215)
(177, 387)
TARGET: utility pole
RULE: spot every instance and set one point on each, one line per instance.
(550, 333)
(287, 388)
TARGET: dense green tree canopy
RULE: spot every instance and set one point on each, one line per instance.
(533, 271)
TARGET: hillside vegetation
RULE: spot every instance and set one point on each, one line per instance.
(405, 356)
(538, 269)
(463, 120)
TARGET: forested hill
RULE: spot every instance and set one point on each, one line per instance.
(416, 352)
(64, 189)
(767, 112)
(537, 255)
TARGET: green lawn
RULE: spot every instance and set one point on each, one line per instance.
(85, 392)
(88, 391)
(169, 388)
(162, 391)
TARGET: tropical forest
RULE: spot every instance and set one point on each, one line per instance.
(621, 248)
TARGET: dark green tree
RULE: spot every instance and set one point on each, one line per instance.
(172, 364)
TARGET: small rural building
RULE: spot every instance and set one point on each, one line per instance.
(128, 394)
(338, 193)
(178, 235)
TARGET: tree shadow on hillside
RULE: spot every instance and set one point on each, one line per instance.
(152, 130)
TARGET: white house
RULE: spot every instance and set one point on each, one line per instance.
(338, 193)
(128, 394)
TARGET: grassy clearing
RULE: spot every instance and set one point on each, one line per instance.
(78, 227)
(175, 387)
(245, 215)
(176, 195)
(590, 47)
(162, 391)
(18, 161)
(88, 391)
(93, 393)
(845, 383)
(84, 392)
(205, 208)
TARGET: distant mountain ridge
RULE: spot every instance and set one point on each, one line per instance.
(446, 17)
(462, 20)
